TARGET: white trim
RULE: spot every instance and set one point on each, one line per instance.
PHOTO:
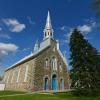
(26, 73)
(18, 74)
(12, 76)
(46, 63)
(54, 63)
(65, 60)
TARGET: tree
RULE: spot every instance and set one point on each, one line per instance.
(96, 6)
(85, 62)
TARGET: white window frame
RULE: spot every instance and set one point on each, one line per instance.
(18, 75)
(26, 73)
(60, 66)
(12, 76)
(46, 63)
(54, 63)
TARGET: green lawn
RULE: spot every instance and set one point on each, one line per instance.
(55, 96)
(2, 93)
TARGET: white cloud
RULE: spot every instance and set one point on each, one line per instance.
(85, 28)
(64, 28)
(14, 25)
(0, 29)
(5, 49)
(90, 25)
(26, 49)
(30, 20)
(6, 36)
(67, 37)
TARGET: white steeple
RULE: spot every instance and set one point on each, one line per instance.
(48, 31)
(36, 46)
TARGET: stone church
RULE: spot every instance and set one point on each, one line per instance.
(43, 70)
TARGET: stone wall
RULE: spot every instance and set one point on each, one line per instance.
(15, 83)
(18, 78)
(41, 72)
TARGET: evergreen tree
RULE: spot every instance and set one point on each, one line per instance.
(85, 61)
(96, 6)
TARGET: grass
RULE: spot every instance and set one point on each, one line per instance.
(3, 93)
(37, 96)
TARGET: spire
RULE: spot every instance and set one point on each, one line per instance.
(48, 21)
(48, 31)
(36, 46)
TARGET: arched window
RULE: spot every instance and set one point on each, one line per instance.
(54, 63)
(51, 34)
(48, 33)
(46, 63)
(45, 34)
(60, 66)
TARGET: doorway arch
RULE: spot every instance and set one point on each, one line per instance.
(46, 84)
(61, 84)
(54, 82)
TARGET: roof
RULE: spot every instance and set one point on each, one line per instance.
(43, 46)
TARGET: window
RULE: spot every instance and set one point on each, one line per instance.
(51, 33)
(18, 74)
(26, 73)
(48, 33)
(45, 34)
(54, 63)
(60, 66)
(46, 63)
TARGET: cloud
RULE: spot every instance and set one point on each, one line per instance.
(67, 36)
(89, 26)
(85, 28)
(30, 20)
(0, 29)
(5, 36)
(64, 28)
(14, 25)
(6, 49)
(26, 49)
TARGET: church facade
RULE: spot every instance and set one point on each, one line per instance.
(43, 70)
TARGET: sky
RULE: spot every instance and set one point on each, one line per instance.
(22, 23)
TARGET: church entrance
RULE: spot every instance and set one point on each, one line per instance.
(54, 82)
(46, 86)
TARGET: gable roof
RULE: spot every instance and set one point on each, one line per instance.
(44, 45)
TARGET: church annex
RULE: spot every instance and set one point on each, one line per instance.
(43, 70)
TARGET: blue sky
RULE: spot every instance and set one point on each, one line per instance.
(22, 23)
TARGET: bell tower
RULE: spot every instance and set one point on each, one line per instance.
(48, 31)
